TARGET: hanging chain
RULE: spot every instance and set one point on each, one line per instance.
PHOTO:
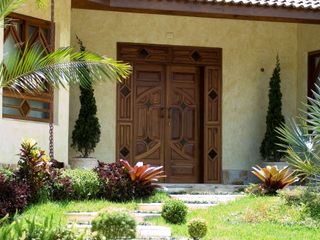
(51, 125)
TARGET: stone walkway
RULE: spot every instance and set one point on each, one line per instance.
(153, 210)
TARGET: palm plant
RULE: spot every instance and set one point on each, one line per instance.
(30, 71)
(302, 140)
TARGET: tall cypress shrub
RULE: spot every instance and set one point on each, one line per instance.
(270, 150)
(86, 133)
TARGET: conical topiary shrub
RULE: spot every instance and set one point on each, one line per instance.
(270, 150)
(86, 133)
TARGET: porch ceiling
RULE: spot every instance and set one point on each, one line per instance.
(301, 11)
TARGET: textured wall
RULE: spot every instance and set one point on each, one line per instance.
(12, 131)
(247, 46)
(308, 41)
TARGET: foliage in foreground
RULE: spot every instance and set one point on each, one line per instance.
(14, 196)
(308, 199)
(35, 230)
(274, 179)
(174, 211)
(114, 225)
(301, 140)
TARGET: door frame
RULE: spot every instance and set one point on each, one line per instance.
(210, 60)
(311, 71)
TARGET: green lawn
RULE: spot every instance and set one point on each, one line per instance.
(248, 218)
(251, 218)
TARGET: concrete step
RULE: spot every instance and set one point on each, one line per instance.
(157, 207)
(153, 232)
(206, 198)
(80, 217)
(143, 231)
(142, 216)
(201, 188)
(83, 218)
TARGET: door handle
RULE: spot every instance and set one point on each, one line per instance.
(169, 116)
(169, 113)
(162, 112)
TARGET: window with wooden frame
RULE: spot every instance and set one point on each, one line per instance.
(313, 71)
(35, 32)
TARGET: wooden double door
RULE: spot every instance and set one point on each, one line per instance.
(161, 117)
(167, 119)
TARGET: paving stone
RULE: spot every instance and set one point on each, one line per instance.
(153, 232)
(215, 198)
(157, 207)
(81, 217)
(141, 217)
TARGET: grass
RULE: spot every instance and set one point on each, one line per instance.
(57, 209)
(263, 218)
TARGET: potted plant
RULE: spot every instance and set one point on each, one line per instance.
(86, 133)
(270, 149)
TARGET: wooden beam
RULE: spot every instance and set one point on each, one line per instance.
(201, 9)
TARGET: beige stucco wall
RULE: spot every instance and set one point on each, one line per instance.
(12, 131)
(247, 46)
(308, 41)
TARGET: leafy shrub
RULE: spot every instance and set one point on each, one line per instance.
(115, 225)
(13, 196)
(274, 179)
(33, 167)
(115, 182)
(59, 187)
(292, 197)
(8, 173)
(85, 183)
(174, 211)
(197, 228)
(256, 190)
(143, 177)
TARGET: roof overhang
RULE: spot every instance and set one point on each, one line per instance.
(204, 9)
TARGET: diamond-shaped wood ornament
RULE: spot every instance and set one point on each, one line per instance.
(143, 53)
(213, 94)
(25, 108)
(125, 91)
(183, 142)
(148, 103)
(147, 140)
(212, 154)
(183, 105)
(196, 56)
(124, 151)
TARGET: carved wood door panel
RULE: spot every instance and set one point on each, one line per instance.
(169, 110)
(149, 110)
(182, 145)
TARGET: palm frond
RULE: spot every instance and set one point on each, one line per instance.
(8, 6)
(31, 71)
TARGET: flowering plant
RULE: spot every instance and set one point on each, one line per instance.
(33, 165)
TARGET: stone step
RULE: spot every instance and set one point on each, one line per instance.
(86, 217)
(142, 217)
(201, 188)
(157, 207)
(143, 231)
(200, 198)
(153, 232)
(81, 217)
